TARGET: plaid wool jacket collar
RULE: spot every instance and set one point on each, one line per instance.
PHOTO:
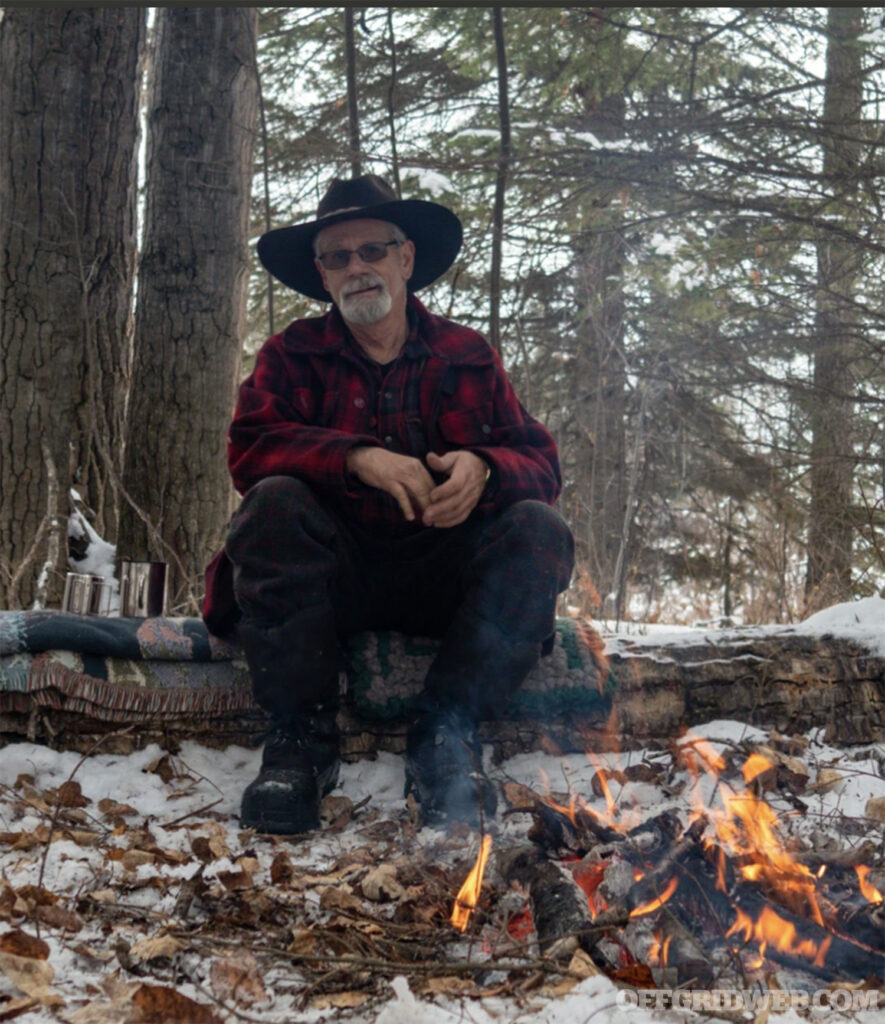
(327, 335)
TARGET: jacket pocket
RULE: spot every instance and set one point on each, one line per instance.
(467, 427)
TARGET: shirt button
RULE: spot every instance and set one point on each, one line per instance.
(360, 403)
(389, 439)
(486, 429)
(388, 395)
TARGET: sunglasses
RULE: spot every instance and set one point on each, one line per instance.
(371, 252)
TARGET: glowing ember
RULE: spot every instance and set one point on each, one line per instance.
(867, 888)
(468, 894)
(658, 902)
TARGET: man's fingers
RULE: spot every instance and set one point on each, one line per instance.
(405, 502)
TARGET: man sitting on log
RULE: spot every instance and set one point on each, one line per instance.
(392, 481)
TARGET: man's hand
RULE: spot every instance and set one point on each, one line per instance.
(452, 502)
(402, 476)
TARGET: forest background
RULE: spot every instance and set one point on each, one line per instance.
(672, 234)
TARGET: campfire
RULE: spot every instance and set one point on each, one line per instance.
(722, 898)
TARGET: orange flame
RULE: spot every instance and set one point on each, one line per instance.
(468, 894)
(750, 833)
(867, 888)
(754, 766)
(771, 929)
(658, 902)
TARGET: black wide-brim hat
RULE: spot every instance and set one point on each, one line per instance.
(288, 252)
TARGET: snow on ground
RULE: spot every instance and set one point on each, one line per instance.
(193, 796)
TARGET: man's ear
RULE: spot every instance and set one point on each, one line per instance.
(322, 272)
(407, 253)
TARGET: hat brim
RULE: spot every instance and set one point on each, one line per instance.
(288, 252)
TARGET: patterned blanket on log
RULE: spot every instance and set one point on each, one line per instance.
(170, 673)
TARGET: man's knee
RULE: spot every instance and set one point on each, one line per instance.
(275, 494)
(543, 531)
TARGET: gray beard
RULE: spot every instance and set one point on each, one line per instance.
(366, 309)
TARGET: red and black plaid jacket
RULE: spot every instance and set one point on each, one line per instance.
(311, 398)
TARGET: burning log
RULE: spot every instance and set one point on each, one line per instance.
(562, 918)
(800, 943)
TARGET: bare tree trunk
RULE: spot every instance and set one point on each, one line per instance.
(202, 114)
(353, 119)
(391, 106)
(500, 181)
(830, 530)
(599, 380)
(69, 94)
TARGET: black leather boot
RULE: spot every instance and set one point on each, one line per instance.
(444, 769)
(299, 767)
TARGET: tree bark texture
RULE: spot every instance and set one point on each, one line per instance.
(500, 181)
(830, 529)
(190, 321)
(69, 94)
(353, 117)
(598, 384)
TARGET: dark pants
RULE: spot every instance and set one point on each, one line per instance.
(304, 578)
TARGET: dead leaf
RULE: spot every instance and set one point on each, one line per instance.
(37, 896)
(162, 767)
(106, 896)
(31, 977)
(339, 897)
(111, 809)
(582, 965)
(519, 797)
(68, 794)
(15, 1007)
(827, 779)
(133, 859)
(382, 884)
(58, 917)
(158, 1004)
(102, 956)
(281, 870)
(336, 811)
(559, 988)
(238, 978)
(449, 985)
(242, 878)
(154, 947)
(303, 942)
(339, 1000)
(20, 943)
(81, 837)
(875, 809)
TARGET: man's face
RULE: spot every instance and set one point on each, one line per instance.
(366, 292)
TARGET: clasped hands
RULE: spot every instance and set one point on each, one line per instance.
(410, 482)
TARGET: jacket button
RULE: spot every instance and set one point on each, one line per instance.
(389, 439)
(360, 403)
(486, 429)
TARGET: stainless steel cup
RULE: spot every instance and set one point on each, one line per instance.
(142, 589)
(86, 594)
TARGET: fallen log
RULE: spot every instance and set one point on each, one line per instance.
(69, 679)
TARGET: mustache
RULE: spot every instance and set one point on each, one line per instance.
(361, 282)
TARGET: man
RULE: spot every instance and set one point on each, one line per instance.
(392, 480)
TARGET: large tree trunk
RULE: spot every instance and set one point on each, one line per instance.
(830, 532)
(69, 93)
(599, 380)
(190, 320)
